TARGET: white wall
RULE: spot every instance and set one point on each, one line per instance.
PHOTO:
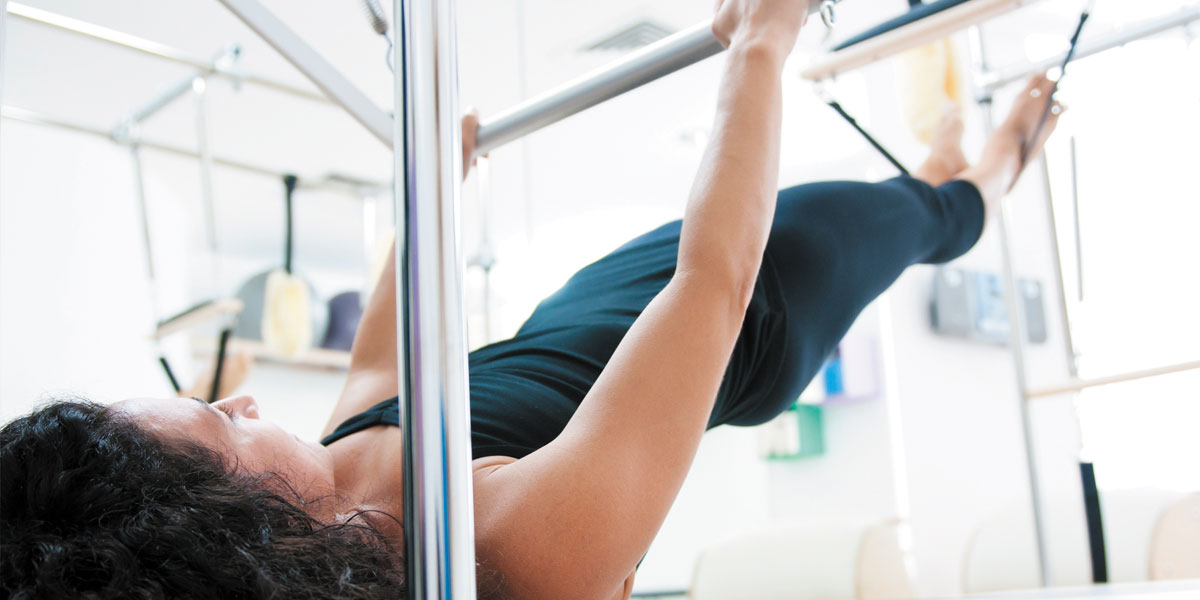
(75, 303)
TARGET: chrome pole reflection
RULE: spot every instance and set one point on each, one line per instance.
(438, 518)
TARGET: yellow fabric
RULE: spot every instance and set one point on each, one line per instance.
(287, 315)
(929, 79)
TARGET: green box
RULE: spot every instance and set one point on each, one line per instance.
(798, 433)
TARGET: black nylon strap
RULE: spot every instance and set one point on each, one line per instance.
(871, 139)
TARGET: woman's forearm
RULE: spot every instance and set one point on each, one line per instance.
(732, 202)
(372, 376)
(375, 339)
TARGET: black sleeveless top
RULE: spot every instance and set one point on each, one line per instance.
(524, 390)
(834, 246)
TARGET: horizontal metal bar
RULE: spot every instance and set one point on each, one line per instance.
(929, 29)
(648, 64)
(661, 58)
(163, 100)
(994, 81)
(132, 42)
(1083, 384)
(664, 594)
(332, 181)
(185, 86)
(314, 66)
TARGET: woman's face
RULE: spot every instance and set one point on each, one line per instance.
(232, 428)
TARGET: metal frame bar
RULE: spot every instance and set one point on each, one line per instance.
(644, 66)
(439, 519)
(144, 46)
(920, 32)
(204, 149)
(653, 62)
(139, 186)
(1016, 335)
(1072, 355)
(329, 182)
(987, 84)
(994, 81)
(161, 101)
(324, 75)
(194, 85)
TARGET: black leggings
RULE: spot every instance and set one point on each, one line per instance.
(833, 248)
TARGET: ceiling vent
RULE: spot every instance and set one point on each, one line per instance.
(642, 33)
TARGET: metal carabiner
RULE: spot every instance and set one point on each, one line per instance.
(827, 15)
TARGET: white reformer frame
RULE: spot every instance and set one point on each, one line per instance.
(891, 43)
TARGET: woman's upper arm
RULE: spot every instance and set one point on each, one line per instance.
(573, 518)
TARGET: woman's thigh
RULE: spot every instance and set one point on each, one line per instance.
(834, 247)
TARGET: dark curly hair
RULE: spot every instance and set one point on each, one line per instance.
(92, 506)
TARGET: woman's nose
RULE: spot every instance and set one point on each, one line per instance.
(244, 406)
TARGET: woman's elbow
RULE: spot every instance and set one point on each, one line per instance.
(731, 287)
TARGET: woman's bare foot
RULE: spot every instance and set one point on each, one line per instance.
(1013, 144)
(1026, 117)
(946, 158)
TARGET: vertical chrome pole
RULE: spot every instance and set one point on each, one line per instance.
(1016, 328)
(438, 518)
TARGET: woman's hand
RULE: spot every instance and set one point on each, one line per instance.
(470, 127)
(775, 23)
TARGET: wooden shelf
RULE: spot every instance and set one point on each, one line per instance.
(321, 359)
(1078, 385)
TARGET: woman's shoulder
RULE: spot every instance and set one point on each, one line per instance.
(517, 552)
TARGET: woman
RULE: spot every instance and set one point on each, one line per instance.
(584, 424)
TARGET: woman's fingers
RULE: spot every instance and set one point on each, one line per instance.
(1035, 82)
(720, 25)
(470, 129)
(470, 124)
(776, 22)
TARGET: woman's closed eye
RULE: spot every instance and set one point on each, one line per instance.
(226, 409)
(230, 412)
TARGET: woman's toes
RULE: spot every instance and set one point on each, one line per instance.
(1036, 82)
(951, 122)
(947, 140)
